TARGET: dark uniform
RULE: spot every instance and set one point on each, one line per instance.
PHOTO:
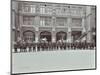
(29, 45)
(50, 45)
(53, 46)
(64, 46)
(21, 47)
(15, 48)
(38, 46)
(33, 45)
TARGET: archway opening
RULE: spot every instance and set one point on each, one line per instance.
(45, 36)
(76, 35)
(61, 36)
(29, 36)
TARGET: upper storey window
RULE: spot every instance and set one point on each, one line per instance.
(61, 21)
(45, 21)
(93, 10)
(93, 15)
(62, 10)
(45, 9)
(28, 8)
(76, 21)
(58, 11)
(28, 20)
(77, 11)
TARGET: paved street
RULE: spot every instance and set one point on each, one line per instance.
(53, 60)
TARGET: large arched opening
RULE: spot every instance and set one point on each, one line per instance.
(61, 35)
(76, 35)
(29, 36)
(46, 36)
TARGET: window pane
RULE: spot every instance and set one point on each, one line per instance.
(28, 20)
(46, 9)
(76, 21)
(61, 21)
(45, 21)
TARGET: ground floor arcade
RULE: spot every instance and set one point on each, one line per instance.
(69, 35)
(40, 39)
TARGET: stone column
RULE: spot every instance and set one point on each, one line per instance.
(37, 21)
(53, 22)
(69, 39)
(16, 26)
(37, 18)
(20, 20)
(88, 14)
(53, 35)
(83, 25)
(19, 27)
(53, 28)
(36, 37)
(84, 29)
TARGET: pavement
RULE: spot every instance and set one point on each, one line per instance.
(26, 62)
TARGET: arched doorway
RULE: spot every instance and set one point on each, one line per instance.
(61, 36)
(46, 36)
(29, 36)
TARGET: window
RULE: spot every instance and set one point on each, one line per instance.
(46, 9)
(28, 20)
(74, 11)
(45, 21)
(33, 8)
(29, 8)
(61, 21)
(58, 10)
(77, 11)
(76, 21)
(13, 19)
(42, 9)
(26, 8)
(62, 10)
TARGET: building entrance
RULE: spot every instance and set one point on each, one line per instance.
(45, 36)
(29, 36)
(76, 35)
(61, 36)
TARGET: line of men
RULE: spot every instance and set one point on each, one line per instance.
(35, 47)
